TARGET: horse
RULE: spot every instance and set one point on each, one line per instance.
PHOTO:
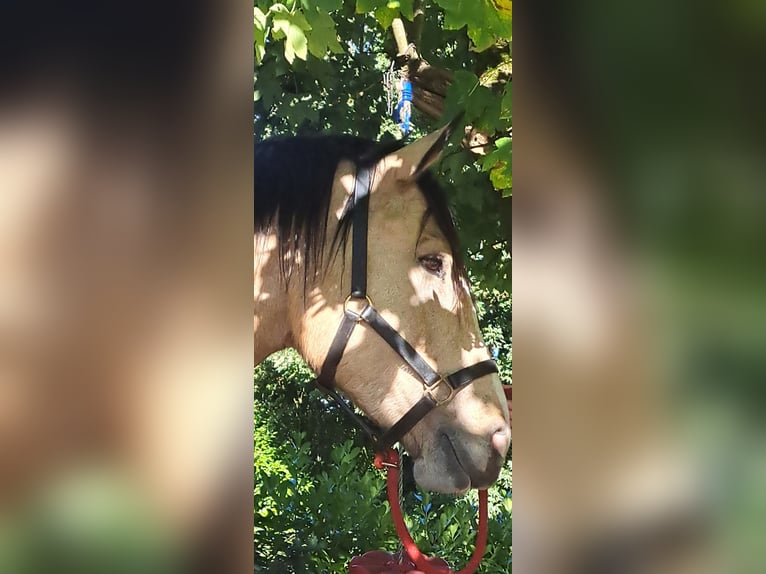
(306, 206)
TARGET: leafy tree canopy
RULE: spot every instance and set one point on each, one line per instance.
(319, 68)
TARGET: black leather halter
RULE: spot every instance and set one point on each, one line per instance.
(358, 308)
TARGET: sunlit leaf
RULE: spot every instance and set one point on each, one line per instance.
(323, 36)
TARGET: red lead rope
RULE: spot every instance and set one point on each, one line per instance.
(390, 462)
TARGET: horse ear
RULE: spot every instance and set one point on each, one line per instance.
(413, 159)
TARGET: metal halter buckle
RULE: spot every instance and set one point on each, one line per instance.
(439, 397)
(356, 315)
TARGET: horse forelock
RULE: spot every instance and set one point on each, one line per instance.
(293, 182)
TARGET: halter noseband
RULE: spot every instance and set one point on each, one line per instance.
(358, 308)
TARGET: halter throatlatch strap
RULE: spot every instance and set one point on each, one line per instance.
(437, 390)
(389, 461)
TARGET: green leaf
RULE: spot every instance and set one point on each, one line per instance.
(463, 84)
(259, 34)
(405, 7)
(498, 15)
(482, 37)
(499, 163)
(296, 44)
(259, 45)
(385, 16)
(506, 112)
(323, 36)
(458, 13)
(259, 18)
(483, 21)
(279, 9)
(386, 10)
(501, 177)
(266, 84)
(367, 6)
(280, 24)
(322, 5)
(292, 27)
(477, 102)
(300, 21)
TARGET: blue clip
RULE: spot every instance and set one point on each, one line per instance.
(403, 111)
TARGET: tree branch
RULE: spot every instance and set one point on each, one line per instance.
(430, 84)
(403, 47)
(417, 22)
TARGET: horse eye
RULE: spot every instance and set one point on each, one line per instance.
(432, 264)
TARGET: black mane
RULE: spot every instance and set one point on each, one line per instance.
(293, 184)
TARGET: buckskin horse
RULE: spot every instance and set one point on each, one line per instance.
(390, 320)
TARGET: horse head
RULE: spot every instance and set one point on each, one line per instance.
(417, 283)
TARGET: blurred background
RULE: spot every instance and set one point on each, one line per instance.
(125, 289)
(639, 287)
(125, 343)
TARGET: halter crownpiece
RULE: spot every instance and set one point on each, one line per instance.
(358, 308)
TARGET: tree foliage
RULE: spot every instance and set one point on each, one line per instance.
(319, 66)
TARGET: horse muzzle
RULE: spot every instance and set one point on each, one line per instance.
(453, 461)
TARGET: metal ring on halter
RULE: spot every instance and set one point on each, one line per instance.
(438, 398)
(357, 316)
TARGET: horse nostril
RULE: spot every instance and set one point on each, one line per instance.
(501, 440)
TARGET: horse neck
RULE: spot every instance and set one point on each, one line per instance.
(271, 327)
(278, 308)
